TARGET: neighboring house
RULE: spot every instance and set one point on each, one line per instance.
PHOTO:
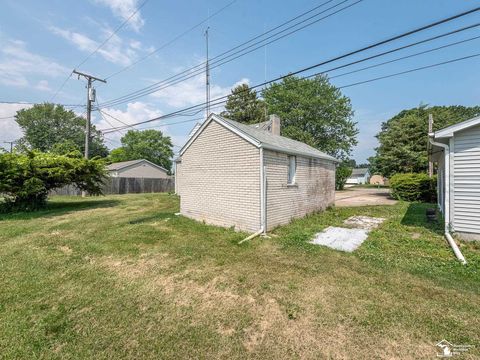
(359, 176)
(137, 169)
(456, 150)
(232, 174)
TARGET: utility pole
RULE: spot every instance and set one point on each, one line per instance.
(207, 78)
(430, 130)
(11, 145)
(90, 99)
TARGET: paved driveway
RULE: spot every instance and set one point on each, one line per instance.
(363, 196)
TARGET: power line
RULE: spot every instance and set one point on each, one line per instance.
(112, 34)
(410, 71)
(340, 87)
(219, 60)
(397, 37)
(171, 41)
(96, 49)
(406, 57)
(436, 23)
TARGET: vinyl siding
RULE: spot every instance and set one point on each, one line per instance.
(466, 178)
(219, 180)
(314, 187)
(142, 170)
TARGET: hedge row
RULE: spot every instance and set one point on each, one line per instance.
(413, 187)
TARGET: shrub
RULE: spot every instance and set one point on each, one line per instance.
(413, 187)
(341, 175)
(26, 179)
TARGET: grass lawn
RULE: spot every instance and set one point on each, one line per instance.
(122, 277)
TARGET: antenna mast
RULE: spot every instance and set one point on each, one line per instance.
(207, 78)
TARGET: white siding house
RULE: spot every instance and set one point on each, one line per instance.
(456, 150)
(359, 176)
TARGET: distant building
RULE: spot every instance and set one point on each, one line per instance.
(250, 177)
(378, 180)
(137, 169)
(359, 176)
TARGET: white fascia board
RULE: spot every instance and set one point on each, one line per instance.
(449, 131)
(215, 118)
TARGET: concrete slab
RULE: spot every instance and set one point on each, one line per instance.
(341, 238)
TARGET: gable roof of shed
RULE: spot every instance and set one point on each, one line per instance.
(359, 172)
(124, 164)
(452, 129)
(262, 139)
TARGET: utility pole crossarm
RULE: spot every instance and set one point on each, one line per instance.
(87, 76)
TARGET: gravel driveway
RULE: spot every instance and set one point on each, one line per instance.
(356, 196)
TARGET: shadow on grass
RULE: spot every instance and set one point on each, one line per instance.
(58, 208)
(416, 216)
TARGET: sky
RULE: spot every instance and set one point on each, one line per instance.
(42, 42)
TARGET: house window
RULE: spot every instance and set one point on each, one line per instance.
(292, 169)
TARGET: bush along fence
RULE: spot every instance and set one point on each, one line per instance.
(119, 185)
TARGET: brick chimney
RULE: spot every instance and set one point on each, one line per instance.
(275, 127)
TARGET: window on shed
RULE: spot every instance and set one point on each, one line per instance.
(292, 169)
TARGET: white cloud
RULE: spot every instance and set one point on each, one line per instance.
(115, 50)
(43, 86)
(135, 112)
(9, 128)
(123, 9)
(192, 92)
(17, 64)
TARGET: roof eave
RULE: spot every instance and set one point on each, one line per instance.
(300, 153)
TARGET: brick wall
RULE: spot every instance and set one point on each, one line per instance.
(314, 189)
(219, 180)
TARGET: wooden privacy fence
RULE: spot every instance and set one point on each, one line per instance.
(119, 185)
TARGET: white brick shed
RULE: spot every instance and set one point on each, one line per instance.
(456, 150)
(250, 177)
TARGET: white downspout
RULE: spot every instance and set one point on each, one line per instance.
(446, 206)
(263, 202)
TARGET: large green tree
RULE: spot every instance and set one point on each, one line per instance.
(151, 145)
(46, 126)
(403, 138)
(243, 105)
(315, 112)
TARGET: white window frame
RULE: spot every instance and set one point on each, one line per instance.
(291, 169)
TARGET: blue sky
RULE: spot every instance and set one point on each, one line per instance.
(41, 42)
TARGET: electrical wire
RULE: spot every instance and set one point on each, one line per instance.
(96, 49)
(219, 60)
(377, 44)
(215, 102)
(171, 41)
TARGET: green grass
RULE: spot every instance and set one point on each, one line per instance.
(123, 277)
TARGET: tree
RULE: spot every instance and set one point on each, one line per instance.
(342, 173)
(315, 112)
(244, 106)
(47, 125)
(151, 145)
(403, 138)
(26, 178)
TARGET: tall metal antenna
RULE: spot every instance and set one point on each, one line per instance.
(207, 78)
(265, 71)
